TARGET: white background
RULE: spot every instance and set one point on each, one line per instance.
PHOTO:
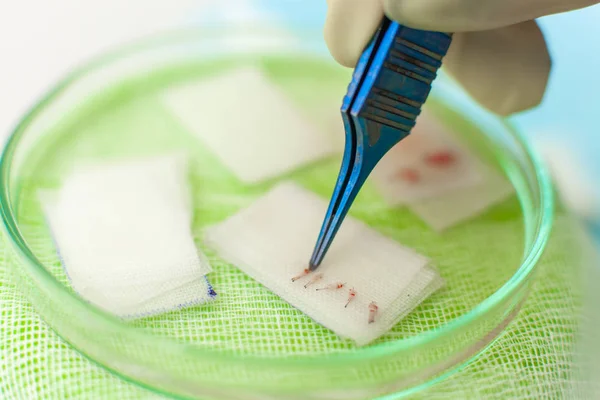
(42, 40)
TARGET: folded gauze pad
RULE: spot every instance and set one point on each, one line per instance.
(427, 164)
(124, 237)
(249, 123)
(272, 241)
(461, 205)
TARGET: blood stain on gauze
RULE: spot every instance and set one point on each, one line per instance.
(427, 163)
(248, 123)
(123, 233)
(272, 241)
(438, 177)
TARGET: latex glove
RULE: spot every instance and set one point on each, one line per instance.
(498, 53)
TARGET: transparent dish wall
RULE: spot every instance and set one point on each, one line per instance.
(274, 352)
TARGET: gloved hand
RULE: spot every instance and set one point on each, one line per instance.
(498, 53)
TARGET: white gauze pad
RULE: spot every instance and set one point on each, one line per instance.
(461, 205)
(427, 163)
(272, 241)
(249, 123)
(123, 233)
(196, 292)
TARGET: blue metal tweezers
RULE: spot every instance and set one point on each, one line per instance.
(390, 84)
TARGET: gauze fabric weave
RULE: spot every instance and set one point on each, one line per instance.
(446, 197)
(123, 233)
(462, 205)
(427, 138)
(270, 241)
(249, 123)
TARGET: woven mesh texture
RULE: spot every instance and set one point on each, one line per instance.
(530, 361)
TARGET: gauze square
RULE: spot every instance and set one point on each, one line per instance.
(427, 163)
(122, 230)
(461, 205)
(248, 123)
(272, 241)
(196, 292)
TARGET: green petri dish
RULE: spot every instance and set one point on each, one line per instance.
(250, 344)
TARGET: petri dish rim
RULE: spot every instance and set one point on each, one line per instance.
(541, 230)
